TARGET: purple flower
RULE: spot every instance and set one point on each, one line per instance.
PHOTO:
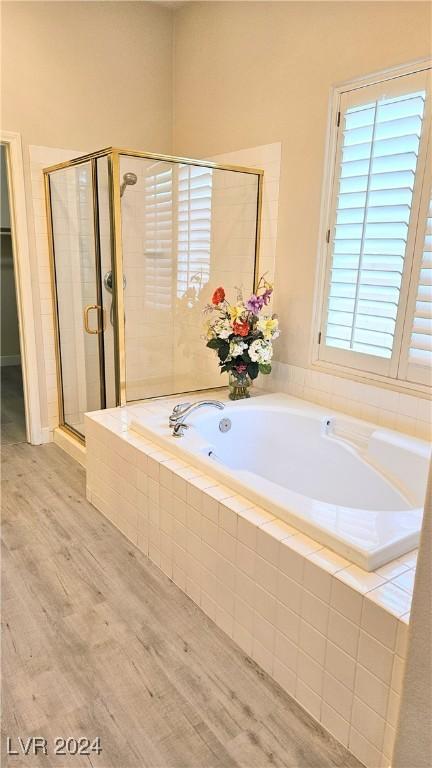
(255, 304)
(267, 295)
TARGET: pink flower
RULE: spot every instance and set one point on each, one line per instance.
(241, 368)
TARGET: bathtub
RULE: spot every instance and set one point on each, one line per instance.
(350, 485)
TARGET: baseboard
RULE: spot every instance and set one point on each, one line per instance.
(46, 435)
(70, 446)
(6, 360)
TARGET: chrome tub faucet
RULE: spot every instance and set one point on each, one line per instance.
(183, 410)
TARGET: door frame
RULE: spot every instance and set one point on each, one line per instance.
(23, 284)
(63, 424)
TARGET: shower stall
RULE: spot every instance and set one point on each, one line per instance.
(138, 242)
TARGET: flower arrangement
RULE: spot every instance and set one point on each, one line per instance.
(242, 335)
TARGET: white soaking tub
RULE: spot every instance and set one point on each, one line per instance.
(348, 484)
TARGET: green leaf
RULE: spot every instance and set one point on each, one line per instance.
(265, 368)
(213, 344)
(223, 350)
(253, 370)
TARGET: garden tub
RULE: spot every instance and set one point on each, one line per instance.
(350, 485)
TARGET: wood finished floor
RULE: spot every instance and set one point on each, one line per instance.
(98, 642)
(13, 428)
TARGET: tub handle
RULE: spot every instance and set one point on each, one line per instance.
(178, 429)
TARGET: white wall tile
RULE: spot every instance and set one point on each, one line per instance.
(377, 658)
(315, 611)
(363, 749)
(371, 690)
(338, 696)
(343, 632)
(335, 724)
(310, 700)
(366, 721)
(286, 651)
(346, 600)
(284, 676)
(379, 623)
(340, 665)
(312, 642)
(287, 622)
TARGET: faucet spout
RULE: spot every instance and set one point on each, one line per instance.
(183, 410)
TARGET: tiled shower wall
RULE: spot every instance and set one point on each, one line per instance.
(229, 229)
(234, 209)
(177, 250)
(268, 158)
(147, 262)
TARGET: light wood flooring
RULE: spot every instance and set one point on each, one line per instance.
(98, 642)
(13, 428)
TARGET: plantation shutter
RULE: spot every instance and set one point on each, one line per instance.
(420, 351)
(370, 240)
(158, 235)
(416, 362)
(193, 227)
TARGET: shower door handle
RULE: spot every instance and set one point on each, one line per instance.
(86, 318)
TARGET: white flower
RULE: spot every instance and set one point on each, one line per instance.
(236, 348)
(261, 351)
(223, 329)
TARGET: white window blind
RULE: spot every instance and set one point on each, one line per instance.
(379, 168)
(420, 351)
(416, 358)
(158, 235)
(193, 227)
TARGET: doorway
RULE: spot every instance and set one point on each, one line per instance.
(13, 421)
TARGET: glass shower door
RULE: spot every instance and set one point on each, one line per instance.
(80, 313)
(186, 229)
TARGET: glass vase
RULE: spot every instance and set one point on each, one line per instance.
(239, 385)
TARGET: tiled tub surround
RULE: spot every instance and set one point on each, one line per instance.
(333, 636)
(351, 486)
(409, 413)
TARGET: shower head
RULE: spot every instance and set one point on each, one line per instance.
(128, 179)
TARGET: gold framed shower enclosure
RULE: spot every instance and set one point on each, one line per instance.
(95, 308)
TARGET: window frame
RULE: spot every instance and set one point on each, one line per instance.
(378, 373)
(406, 368)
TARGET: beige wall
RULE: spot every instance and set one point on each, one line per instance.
(87, 74)
(81, 76)
(254, 73)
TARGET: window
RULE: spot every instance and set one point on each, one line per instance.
(177, 205)
(194, 227)
(377, 301)
(158, 235)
